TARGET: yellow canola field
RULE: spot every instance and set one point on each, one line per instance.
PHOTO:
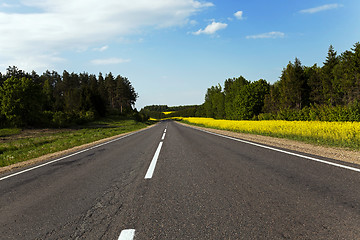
(345, 134)
(167, 113)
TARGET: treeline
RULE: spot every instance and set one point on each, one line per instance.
(157, 111)
(327, 93)
(28, 99)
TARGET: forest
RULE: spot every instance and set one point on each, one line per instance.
(54, 100)
(327, 93)
(308, 93)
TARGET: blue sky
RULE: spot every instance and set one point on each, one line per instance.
(173, 50)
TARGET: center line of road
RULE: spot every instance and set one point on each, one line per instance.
(127, 234)
(163, 136)
(151, 169)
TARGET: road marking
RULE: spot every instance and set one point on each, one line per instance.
(283, 151)
(165, 130)
(152, 166)
(163, 136)
(127, 234)
(76, 153)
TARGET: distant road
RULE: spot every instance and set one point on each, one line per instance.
(175, 182)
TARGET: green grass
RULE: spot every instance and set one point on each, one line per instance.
(9, 131)
(22, 149)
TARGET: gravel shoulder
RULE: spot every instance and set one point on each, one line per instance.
(340, 154)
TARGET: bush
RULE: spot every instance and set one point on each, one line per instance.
(139, 116)
(83, 117)
(349, 113)
(46, 118)
(60, 119)
(89, 116)
(354, 114)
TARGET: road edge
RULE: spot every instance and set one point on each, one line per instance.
(62, 153)
(339, 154)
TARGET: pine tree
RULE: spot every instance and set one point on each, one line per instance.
(328, 83)
(294, 89)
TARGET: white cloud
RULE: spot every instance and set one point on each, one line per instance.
(321, 8)
(108, 61)
(5, 5)
(267, 35)
(212, 28)
(239, 15)
(101, 49)
(33, 62)
(57, 26)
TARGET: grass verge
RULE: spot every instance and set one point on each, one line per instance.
(4, 132)
(19, 147)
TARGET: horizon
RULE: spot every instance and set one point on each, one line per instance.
(173, 51)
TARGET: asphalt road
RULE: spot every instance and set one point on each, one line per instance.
(201, 186)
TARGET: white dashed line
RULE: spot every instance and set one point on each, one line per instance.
(163, 136)
(127, 234)
(152, 166)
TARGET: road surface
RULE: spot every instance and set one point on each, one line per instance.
(175, 182)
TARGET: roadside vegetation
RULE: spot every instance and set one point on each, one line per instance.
(337, 134)
(4, 132)
(41, 114)
(18, 145)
